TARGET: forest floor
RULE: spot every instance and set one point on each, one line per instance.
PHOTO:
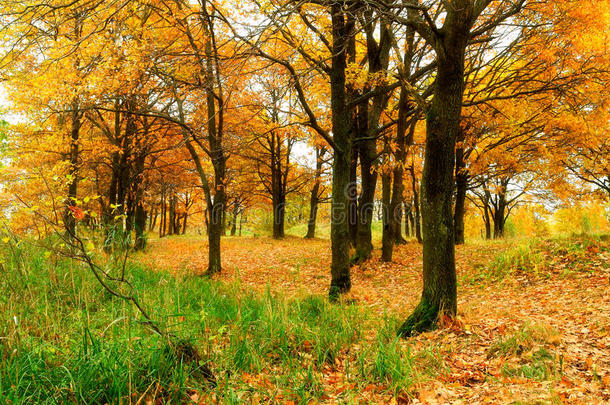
(533, 324)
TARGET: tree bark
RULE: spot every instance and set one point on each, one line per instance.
(416, 206)
(340, 241)
(439, 294)
(408, 219)
(387, 238)
(313, 212)
(73, 156)
(234, 220)
(461, 183)
(352, 195)
(315, 195)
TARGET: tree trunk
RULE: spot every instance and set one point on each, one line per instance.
(215, 125)
(138, 211)
(439, 294)
(487, 221)
(340, 241)
(153, 218)
(140, 226)
(364, 244)
(352, 195)
(223, 231)
(313, 210)
(234, 220)
(408, 220)
(387, 238)
(69, 219)
(184, 220)
(499, 217)
(279, 214)
(461, 183)
(162, 221)
(416, 206)
(172, 214)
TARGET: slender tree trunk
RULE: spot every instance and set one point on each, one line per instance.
(416, 206)
(352, 195)
(313, 210)
(69, 219)
(461, 183)
(487, 221)
(378, 52)
(153, 218)
(364, 244)
(162, 221)
(387, 238)
(408, 219)
(140, 226)
(184, 221)
(172, 214)
(234, 220)
(139, 213)
(110, 223)
(215, 136)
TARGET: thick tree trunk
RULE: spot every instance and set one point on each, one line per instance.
(340, 241)
(499, 218)
(439, 294)
(279, 214)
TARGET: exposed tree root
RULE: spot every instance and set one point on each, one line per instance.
(424, 318)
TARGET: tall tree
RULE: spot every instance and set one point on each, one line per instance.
(439, 294)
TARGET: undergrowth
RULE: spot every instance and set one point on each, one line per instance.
(545, 257)
(64, 339)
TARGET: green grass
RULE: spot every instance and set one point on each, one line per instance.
(542, 257)
(532, 344)
(64, 339)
